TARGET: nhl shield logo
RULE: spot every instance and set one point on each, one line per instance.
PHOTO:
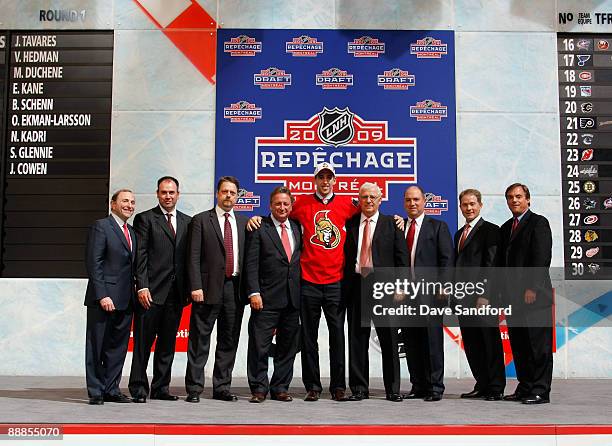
(336, 126)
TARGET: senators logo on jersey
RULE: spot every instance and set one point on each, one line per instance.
(326, 235)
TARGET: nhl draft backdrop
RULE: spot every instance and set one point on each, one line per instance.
(378, 105)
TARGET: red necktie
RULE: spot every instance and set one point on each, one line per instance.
(464, 234)
(229, 247)
(515, 224)
(127, 235)
(410, 239)
(169, 215)
(285, 240)
(365, 255)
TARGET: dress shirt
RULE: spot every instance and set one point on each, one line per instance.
(472, 224)
(120, 222)
(417, 231)
(327, 197)
(173, 218)
(287, 227)
(232, 219)
(373, 220)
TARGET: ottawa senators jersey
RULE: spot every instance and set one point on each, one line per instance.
(322, 258)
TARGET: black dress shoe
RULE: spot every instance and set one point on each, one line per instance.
(414, 395)
(224, 396)
(536, 399)
(474, 394)
(516, 396)
(193, 397)
(258, 397)
(118, 398)
(312, 395)
(139, 399)
(494, 396)
(394, 397)
(358, 396)
(96, 401)
(434, 396)
(339, 395)
(164, 397)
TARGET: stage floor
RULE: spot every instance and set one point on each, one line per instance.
(63, 400)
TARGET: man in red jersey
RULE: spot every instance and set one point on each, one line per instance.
(322, 216)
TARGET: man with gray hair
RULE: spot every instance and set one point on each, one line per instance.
(372, 241)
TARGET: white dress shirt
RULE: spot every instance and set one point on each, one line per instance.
(173, 217)
(232, 219)
(472, 224)
(121, 223)
(417, 231)
(289, 231)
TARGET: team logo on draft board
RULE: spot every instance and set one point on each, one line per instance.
(396, 79)
(585, 91)
(590, 253)
(587, 123)
(304, 46)
(272, 79)
(590, 219)
(428, 48)
(585, 75)
(435, 204)
(589, 171)
(366, 46)
(593, 268)
(589, 203)
(583, 45)
(242, 111)
(590, 235)
(583, 59)
(242, 46)
(587, 155)
(607, 204)
(589, 187)
(428, 110)
(587, 139)
(334, 79)
(327, 235)
(247, 201)
(603, 45)
(336, 126)
(361, 151)
(586, 107)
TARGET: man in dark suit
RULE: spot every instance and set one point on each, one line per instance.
(162, 291)
(526, 251)
(110, 259)
(273, 285)
(373, 241)
(476, 248)
(429, 246)
(214, 267)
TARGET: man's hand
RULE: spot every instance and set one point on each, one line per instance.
(197, 295)
(482, 302)
(107, 304)
(145, 299)
(256, 302)
(530, 296)
(253, 223)
(399, 222)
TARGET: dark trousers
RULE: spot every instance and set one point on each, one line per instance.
(359, 361)
(106, 342)
(316, 297)
(228, 316)
(485, 355)
(262, 326)
(533, 358)
(424, 348)
(161, 321)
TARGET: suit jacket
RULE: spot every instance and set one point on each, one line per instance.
(527, 253)
(110, 264)
(479, 251)
(206, 254)
(161, 256)
(389, 248)
(434, 246)
(268, 270)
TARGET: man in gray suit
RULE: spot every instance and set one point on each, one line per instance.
(214, 267)
(162, 291)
